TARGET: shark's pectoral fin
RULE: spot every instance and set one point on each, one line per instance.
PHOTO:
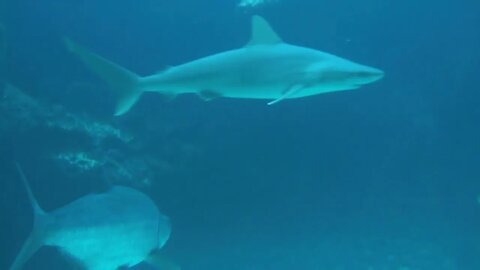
(208, 95)
(161, 261)
(262, 33)
(289, 93)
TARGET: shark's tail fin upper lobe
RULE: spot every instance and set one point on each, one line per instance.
(125, 83)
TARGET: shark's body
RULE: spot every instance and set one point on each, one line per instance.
(120, 228)
(252, 72)
(266, 68)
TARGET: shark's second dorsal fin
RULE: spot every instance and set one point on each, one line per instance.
(262, 33)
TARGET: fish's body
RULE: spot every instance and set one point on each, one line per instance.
(119, 228)
(134, 228)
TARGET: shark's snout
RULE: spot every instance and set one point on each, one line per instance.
(369, 75)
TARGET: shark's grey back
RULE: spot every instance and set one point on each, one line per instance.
(109, 230)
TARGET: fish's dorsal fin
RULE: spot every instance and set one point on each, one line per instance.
(262, 33)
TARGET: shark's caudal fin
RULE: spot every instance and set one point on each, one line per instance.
(122, 81)
(35, 240)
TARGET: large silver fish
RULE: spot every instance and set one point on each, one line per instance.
(117, 229)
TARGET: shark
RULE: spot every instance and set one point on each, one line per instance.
(265, 68)
(118, 229)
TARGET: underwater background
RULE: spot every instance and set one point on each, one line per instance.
(385, 177)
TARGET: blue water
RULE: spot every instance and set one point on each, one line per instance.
(385, 177)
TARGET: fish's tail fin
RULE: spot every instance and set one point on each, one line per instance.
(36, 237)
(29, 248)
(126, 84)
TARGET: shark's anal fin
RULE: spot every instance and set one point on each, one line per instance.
(262, 33)
(161, 261)
(35, 240)
(208, 95)
(289, 93)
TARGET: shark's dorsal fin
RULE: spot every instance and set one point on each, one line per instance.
(262, 33)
